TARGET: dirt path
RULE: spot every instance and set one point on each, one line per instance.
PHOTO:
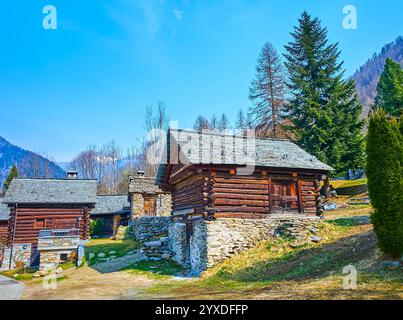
(87, 283)
(100, 281)
(118, 263)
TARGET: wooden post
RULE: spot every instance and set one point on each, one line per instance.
(269, 189)
(300, 202)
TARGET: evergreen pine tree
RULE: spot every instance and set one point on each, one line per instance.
(324, 109)
(390, 89)
(12, 174)
(385, 182)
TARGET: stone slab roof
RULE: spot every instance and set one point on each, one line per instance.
(4, 211)
(218, 148)
(142, 184)
(111, 205)
(51, 191)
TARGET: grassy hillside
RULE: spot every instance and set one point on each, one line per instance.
(274, 270)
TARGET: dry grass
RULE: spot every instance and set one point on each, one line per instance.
(348, 183)
(273, 270)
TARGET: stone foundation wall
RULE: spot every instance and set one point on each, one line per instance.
(178, 243)
(211, 242)
(21, 256)
(51, 259)
(164, 204)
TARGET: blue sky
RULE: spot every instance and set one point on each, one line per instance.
(89, 81)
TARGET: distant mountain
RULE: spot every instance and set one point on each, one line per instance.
(368, 75)
(29, 163)
(66, 166)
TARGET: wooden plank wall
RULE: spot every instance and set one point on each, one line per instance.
(27, 231)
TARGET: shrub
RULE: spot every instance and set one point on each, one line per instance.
(97, 226)
(385, 182)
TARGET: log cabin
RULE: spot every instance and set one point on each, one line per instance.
(47, 208)
(213, 175)
(107, 207)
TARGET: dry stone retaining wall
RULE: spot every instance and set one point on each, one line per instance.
(153, 233)
(211, 242)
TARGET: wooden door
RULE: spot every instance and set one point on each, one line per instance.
(149, 204)
(283, 196)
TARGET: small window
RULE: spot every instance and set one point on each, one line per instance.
(63, 257)
(40, 223)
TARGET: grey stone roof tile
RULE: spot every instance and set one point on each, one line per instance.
(142, 184)
(4, 211)
(111, 205)
(218, 148)
(51, 191)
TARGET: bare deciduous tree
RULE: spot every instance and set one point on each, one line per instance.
(149, 153)
(214, 122)
(268, 89)
(102, 164)
(223, 123)
(201, 123)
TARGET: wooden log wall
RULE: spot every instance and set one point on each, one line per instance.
(310, 192)
(190, 193)
(3, 232)
(27, 227)
(240, 196)
(225, 194)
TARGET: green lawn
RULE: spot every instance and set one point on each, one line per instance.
(99, 250)
(156, 269)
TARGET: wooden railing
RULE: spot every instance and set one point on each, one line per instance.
(59, 233)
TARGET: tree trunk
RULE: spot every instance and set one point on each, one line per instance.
(326, 188)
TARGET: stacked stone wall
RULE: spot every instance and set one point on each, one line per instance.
(211, 242)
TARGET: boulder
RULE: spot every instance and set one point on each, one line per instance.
(316, 239)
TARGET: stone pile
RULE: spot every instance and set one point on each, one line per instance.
(124, 233)
(158, 249)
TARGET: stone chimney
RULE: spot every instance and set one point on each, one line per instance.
(72, 175)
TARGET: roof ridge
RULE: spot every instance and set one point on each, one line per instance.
(229, 135)
(54, 179)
